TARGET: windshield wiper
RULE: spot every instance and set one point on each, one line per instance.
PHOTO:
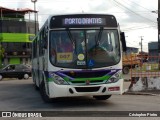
(99, 36)
(70, 36)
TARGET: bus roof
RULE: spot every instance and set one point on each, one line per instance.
(81, 20)
(79, 14)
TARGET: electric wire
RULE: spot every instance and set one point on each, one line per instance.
(148, 12)
(139, 5)
(130, 29)
(126, 8)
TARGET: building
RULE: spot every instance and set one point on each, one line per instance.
(153, 48)
(132, 50)
(153, 51)
(16, 34)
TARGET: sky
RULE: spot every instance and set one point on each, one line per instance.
(135, 17)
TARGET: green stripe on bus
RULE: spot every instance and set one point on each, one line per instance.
(83, 79)
(49, 79)
(91, 79)
(16, 37)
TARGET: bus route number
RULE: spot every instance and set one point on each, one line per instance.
(64, 56)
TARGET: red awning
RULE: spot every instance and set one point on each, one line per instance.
(26, 10)
(23, 11)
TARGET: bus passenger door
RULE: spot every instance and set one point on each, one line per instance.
(37, 64)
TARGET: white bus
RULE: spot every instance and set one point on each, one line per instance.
(78, 55)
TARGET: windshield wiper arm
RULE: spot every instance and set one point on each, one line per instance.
(99, 36)
(70, 36)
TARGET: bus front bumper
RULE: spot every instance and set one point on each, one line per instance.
(86, 90)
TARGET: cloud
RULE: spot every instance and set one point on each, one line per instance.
(134, 16)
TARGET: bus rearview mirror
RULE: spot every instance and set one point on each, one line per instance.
(122, 35)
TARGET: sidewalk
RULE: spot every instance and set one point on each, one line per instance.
(144, 92)
(127, 91)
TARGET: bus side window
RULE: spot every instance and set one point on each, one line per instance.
(40, 44)
(45, 37)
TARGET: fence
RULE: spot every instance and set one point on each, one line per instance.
(148, 72)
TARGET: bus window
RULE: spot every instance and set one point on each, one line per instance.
(61, 47)
(78, 37)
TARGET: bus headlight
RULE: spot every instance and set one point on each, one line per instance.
(115, 77)
(58, 80)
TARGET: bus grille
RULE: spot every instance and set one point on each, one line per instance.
(95, 81)
(87, 89)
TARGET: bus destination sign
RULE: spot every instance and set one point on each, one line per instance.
(84, 21)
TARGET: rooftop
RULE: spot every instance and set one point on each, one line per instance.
(4, 10)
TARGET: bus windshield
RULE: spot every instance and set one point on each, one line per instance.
(84, 48)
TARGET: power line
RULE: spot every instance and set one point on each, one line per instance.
(126, 8)
(139, 5)
(148, 11)
(132, 27)
(129, 29)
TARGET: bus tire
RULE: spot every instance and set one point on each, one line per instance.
(102, 97)
(43, 93)
(34, 82)
(125, 70)
(35, 86)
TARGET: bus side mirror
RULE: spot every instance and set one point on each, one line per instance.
(122, 34)
(45, 43)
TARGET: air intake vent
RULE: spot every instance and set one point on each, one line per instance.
(87, 89)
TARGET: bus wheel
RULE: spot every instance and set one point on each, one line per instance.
(102, 97)
(1, 77)
(44, 95)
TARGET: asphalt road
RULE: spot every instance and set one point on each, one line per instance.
(20, 95)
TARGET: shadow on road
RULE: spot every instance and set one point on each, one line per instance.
(21, 95)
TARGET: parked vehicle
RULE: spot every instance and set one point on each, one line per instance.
(130, 61)
(19, 71)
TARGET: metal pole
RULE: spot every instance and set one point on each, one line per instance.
(35, 18)
(141, 44)
(29, 17)
(141, 49)
(158, 32)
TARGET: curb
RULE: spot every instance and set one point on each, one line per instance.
(140, 93)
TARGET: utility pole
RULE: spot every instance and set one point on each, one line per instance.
(34, 1)
(141, 49)
(158, 20)
(141, 44)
